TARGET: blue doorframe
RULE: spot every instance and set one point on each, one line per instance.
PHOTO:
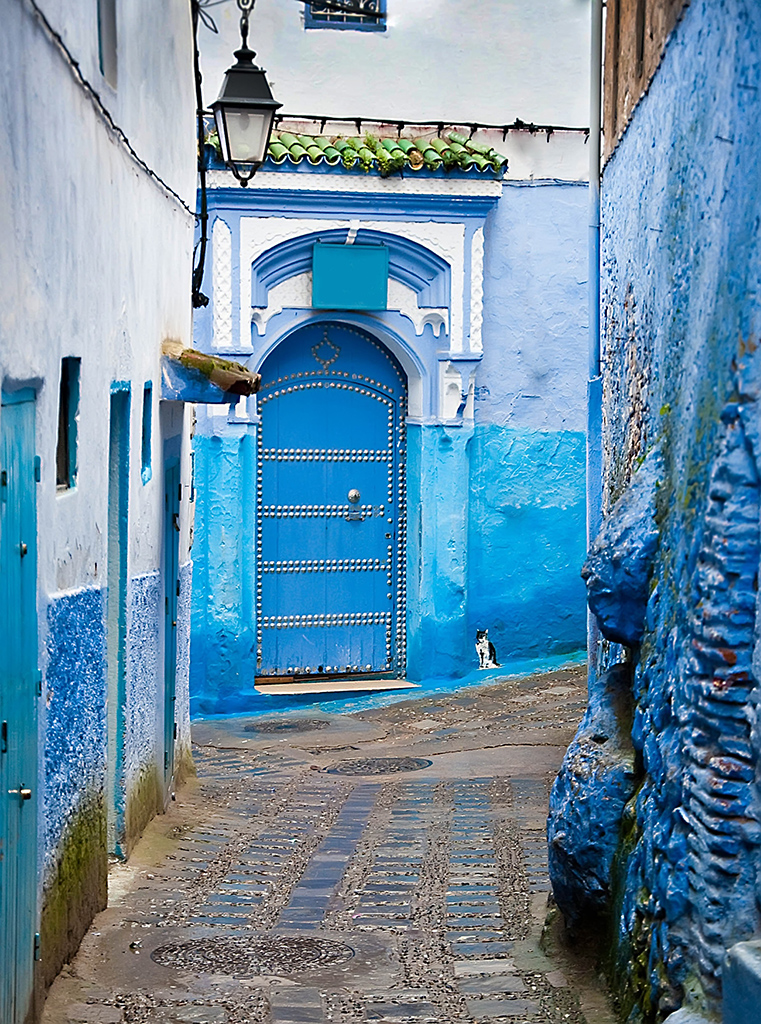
(116, 606)
(331, 506)
(171, 595)
(19, 472)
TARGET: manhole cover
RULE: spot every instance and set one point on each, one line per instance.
(244, 956)
(379, 765)
(287, 725)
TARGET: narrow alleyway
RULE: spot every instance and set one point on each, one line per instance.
(387, 865)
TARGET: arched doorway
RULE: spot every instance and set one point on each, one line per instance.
(330, 527)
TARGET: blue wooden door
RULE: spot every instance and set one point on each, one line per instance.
(18, 705)
(330, 506)
(172, 593)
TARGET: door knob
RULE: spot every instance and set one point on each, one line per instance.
(353, 496)
(22, 793)
(23, 548)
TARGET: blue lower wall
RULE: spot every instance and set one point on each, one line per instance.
(496, 535)
(526, 540)
(143, 677)
(75, 719)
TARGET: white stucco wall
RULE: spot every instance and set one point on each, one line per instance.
(490, 61)
(96, 256)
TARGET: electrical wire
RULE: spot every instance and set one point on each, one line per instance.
(399, 124)
(99, 106)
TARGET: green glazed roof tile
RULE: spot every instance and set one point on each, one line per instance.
(386, 156)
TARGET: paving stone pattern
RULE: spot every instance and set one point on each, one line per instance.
(300, 895)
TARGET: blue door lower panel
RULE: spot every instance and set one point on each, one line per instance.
(330, 506)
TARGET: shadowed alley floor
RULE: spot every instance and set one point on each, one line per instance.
(386, 866)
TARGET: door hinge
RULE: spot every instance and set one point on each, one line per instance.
(179, 492)
(4, 738)
(174, 734)
(37, 955)
(37, 468)
(38, 682)
(178, 588)
(166, 759)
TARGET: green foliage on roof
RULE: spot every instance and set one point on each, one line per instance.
(383, 155)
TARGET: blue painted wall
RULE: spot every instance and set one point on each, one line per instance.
(526, 539)
(496, 506)
(681, 209)
(75, 717)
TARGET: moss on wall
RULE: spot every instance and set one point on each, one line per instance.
(75, 891)
(144, 799)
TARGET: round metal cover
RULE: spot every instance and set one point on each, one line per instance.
(271, 725)
(379, 765)
(248, 956)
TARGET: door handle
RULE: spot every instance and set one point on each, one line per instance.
(22, 793)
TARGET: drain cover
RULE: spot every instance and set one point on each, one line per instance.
(287, 725)
(379, 765)
(244, 956)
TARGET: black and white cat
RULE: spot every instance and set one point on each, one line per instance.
(487, 654)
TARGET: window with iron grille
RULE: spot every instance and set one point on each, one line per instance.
(364, 15)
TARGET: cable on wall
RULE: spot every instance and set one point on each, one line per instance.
(99, 106)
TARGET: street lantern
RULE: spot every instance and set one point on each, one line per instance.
(245, 109)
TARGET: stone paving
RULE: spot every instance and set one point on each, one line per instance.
(280, 889)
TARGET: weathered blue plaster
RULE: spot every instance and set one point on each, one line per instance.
(223, 631)
(588, 799)
(437, 553)
(182, 715)
(533, 373)
(75, 719)
(143, 677)
(620, 561)
(681, 276)
(526, 540)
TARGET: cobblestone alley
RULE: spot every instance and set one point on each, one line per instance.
(386, 865)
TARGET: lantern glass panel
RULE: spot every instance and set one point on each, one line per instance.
(247, 134)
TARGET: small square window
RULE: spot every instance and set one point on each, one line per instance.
(361, 15)
(68, 418)
(145, 447)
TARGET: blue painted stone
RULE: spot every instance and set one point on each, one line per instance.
(619, 565)
(588, 798)
(742, 983)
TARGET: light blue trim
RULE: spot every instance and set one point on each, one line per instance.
(428, 274)
(301, 203)
(16, 397)
(120, 385)
(116, 607)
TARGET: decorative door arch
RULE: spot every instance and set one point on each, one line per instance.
(331, 506)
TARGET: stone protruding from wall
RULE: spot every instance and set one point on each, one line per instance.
(620, 562)
(588, 799)
(742, 983)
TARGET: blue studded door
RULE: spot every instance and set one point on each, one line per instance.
(330, 506)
